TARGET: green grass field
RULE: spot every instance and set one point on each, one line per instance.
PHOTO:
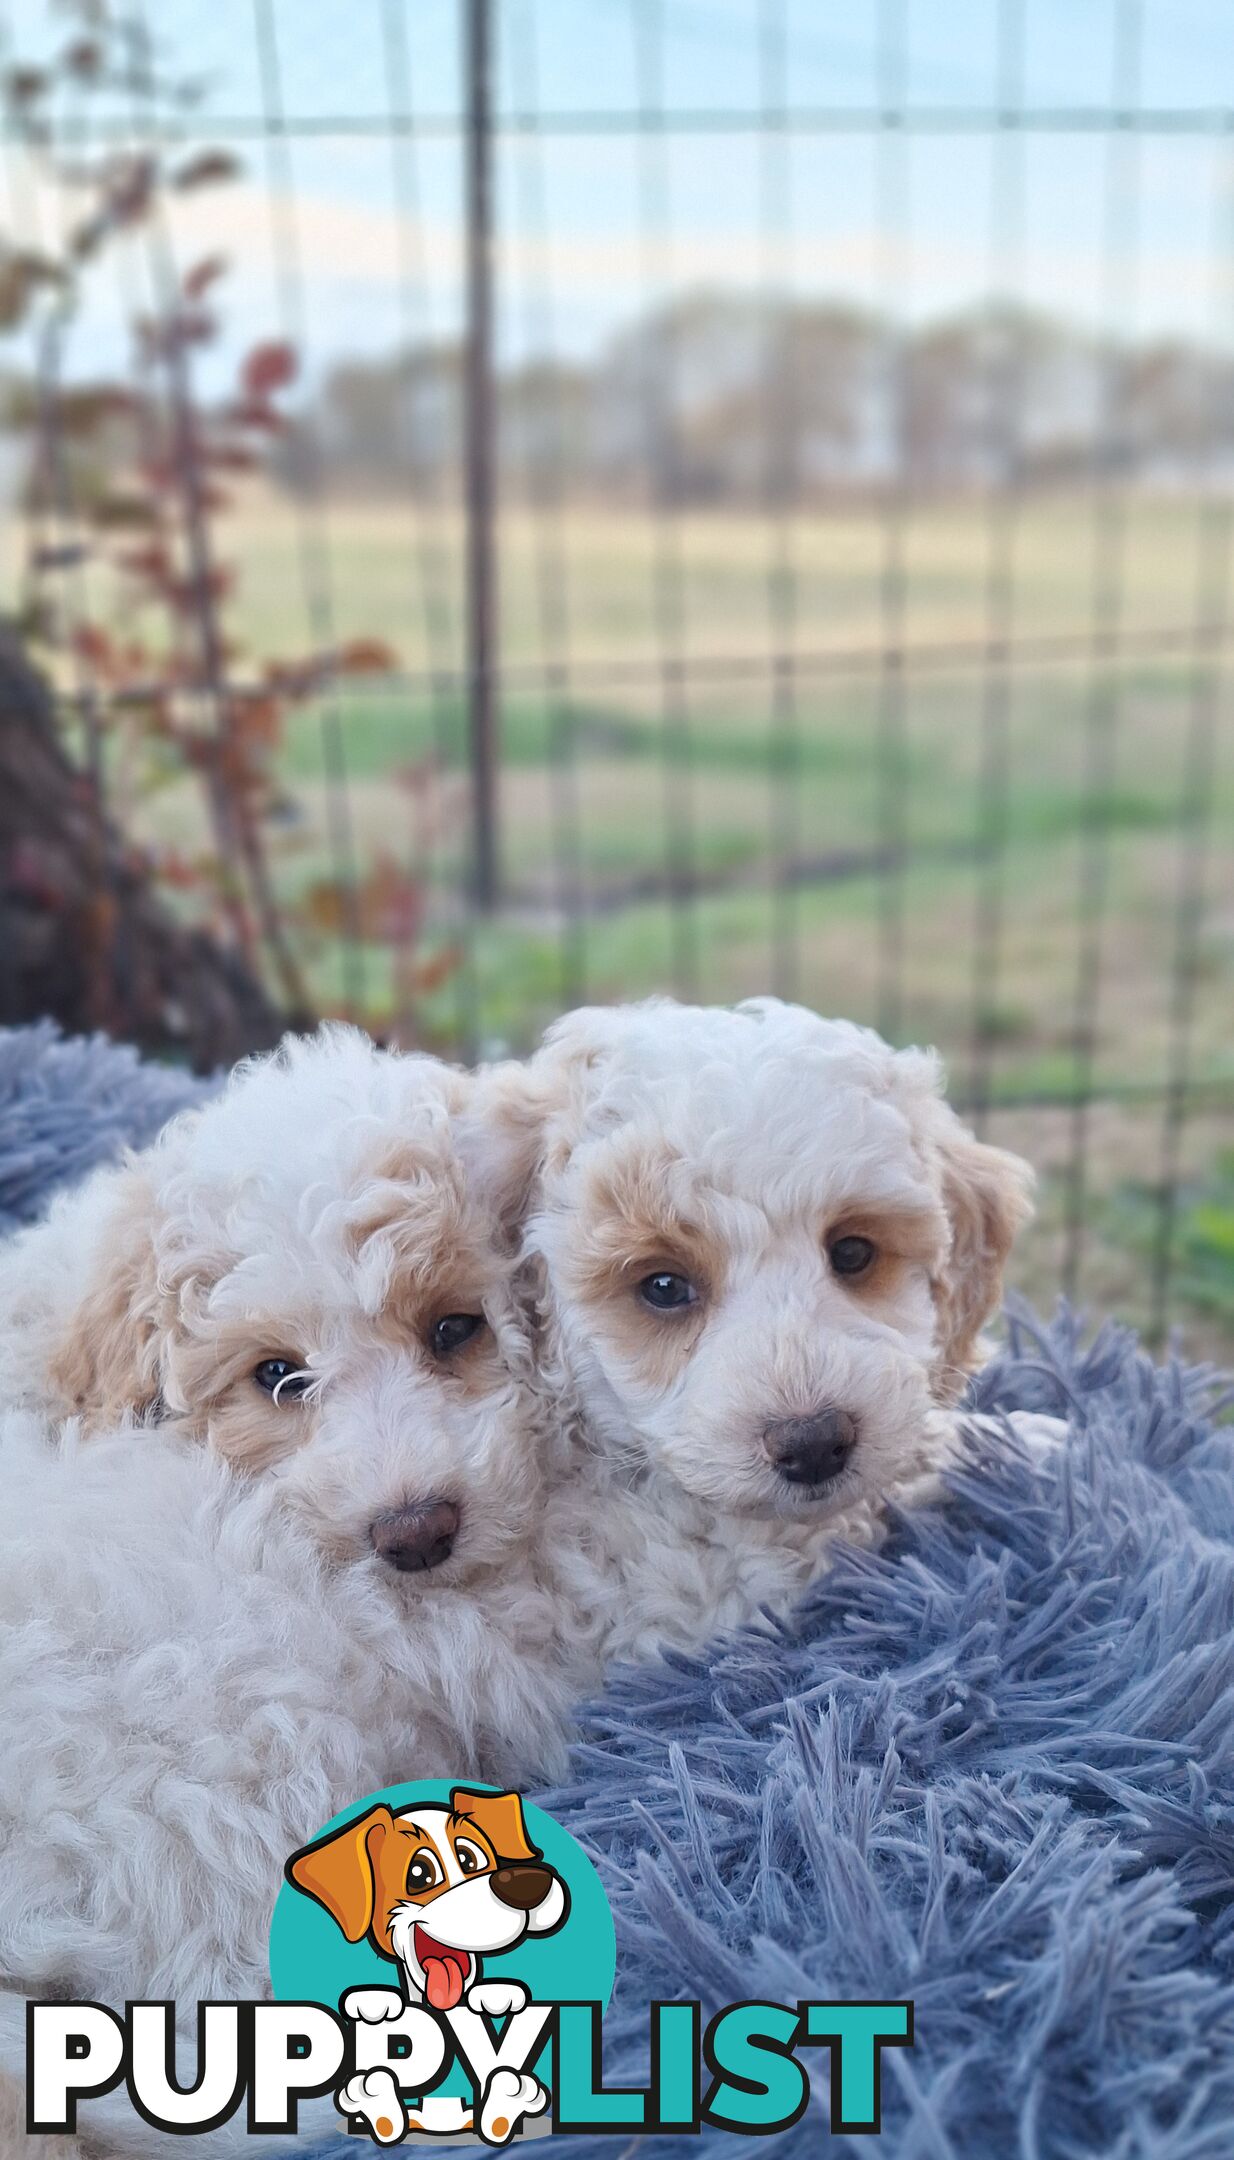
(644, 839)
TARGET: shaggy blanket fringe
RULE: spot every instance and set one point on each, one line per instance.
(990, 1768)
(69, 1103)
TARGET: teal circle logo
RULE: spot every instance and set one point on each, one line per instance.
(447, 1897)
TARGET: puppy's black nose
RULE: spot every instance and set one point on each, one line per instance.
(523, 1887)
(412, 1539)
(811, 1450)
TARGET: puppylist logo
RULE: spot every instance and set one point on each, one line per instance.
(441, 1958)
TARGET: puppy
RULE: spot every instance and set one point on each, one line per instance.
(760, 1255)
(434, 1889)
(281, 1552)
(311, 1276)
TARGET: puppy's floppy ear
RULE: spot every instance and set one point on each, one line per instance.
(106, 1362)
(500, 1817)
(553, 1098)
(525, 1119)
(339, 1871)
(505, 1135)
(987, 1195)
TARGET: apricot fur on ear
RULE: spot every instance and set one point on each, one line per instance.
(338, 1871)
(499, 1817)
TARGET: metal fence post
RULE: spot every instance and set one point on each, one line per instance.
(479, 454)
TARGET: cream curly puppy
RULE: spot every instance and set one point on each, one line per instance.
(311, 1275)
(761, 1253)
(368, 1539)
(279, 1552)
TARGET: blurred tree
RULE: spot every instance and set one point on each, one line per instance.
(84, 934)
(131, 480)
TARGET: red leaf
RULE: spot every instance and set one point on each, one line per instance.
(387, 906)
(189, 594)
(391, 904)
(294, 679)
(94, 647)
(365, 656)
(269, 367)
(431, 974)
(229, 457)
(202, 275)
(260, 720)
(83, 59)
(207, 168)
(177, 869)
(325, 908)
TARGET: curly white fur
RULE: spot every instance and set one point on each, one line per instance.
(326, 1210)
(731, 1145)
(190, 1691)
(204, 1657)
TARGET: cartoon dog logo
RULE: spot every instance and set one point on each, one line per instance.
(435, 1889)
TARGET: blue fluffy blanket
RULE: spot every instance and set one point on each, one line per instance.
(70, 1103)
(990, 1768)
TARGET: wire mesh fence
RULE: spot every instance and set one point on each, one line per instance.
(789, 462)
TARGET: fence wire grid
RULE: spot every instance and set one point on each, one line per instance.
(803, 533)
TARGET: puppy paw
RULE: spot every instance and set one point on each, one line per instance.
(510, 2097)
(374, 2096)
(374, 2005)
(497, 1998)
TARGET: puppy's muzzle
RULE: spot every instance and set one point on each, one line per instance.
(522, 1887)
(811, 1450)
(413, 1539)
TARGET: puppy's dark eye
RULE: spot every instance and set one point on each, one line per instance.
(666, 1292)
(423, 1872)
(852, 1255)
(470, 1859)
(454, 1330)
(282, 1378)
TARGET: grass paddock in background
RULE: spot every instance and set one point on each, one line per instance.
(842, 839)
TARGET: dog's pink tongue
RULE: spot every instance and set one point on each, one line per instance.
(443, 1982)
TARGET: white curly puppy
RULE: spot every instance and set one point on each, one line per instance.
(297, 1566)
(437, 1889)
(311, 1275)
(761, 1254)
(366, 1541)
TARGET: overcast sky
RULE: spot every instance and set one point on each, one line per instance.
(595, 227)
